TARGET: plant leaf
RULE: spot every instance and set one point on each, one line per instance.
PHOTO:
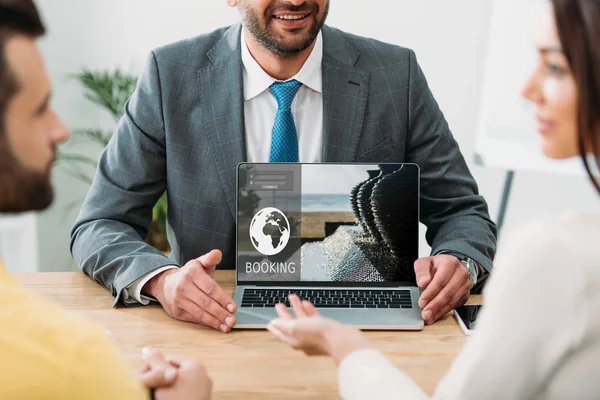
(76, 158)
(78, 175)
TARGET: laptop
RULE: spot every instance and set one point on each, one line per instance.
(343, 236)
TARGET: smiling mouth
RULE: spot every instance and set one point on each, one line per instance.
(544, 125)
(291, 17)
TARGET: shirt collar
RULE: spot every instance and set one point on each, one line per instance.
(256, 80)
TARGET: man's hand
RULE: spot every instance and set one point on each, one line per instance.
(447, 282)
(156, 372)
(173, 378)
(314, 334)
(191, 294)
(193, 382)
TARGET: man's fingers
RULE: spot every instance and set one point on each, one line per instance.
(206, 303)
(209, 286)
(447, 299)
(466, 293)
(192, 313)
(423, 271)
(440, 280)
(189, 362)
(210, 261)
(457, 302)
(445, 295)
(157, 372)
(153, 357)
(143, 369)
(158, 377)
(174, 361)
(296, 304)
(283, 311)
(439, 314)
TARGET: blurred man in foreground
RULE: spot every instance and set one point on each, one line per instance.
(46, 352)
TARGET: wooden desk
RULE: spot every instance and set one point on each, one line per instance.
(245, 364)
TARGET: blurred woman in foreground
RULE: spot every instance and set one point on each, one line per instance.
(539, 336)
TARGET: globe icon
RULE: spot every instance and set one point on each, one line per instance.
(269, 231)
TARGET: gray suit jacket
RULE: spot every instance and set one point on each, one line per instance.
(183, 132)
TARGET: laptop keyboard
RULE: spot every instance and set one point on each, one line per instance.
(326, 298)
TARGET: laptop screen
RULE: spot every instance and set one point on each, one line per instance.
(327, 224)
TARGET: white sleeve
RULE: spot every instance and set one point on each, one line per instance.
(135, 289)
(367, 374)
(531, 319)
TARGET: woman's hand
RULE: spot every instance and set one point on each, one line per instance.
(314, 334)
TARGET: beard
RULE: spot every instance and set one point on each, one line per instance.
(21, 189)
(259, 27)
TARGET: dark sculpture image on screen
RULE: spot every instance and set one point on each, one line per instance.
(382, 244)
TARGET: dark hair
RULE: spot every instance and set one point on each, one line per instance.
(578, 23)
(17, 17)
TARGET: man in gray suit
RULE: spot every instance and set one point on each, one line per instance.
(205, 104)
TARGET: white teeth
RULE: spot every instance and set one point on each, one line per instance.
(290, 17)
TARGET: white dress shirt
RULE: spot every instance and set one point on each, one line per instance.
(260, 109)
(538, 336)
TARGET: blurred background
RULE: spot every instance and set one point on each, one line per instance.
(451, 40)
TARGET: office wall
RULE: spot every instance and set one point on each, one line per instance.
(450, 39)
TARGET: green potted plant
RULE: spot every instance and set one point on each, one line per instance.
(110, 91)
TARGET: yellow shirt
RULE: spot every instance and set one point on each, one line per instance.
(47, 353)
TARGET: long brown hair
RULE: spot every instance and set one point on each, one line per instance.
(578, 23)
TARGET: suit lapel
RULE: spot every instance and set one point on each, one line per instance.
(222, 96)
(345, 92)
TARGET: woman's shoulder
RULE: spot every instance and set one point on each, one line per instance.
(562, 241)
(553, 255)
(566, 223)
(570, 227)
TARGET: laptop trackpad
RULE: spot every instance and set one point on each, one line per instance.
(379, 319)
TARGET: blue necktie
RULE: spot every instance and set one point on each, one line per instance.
(284, 142)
